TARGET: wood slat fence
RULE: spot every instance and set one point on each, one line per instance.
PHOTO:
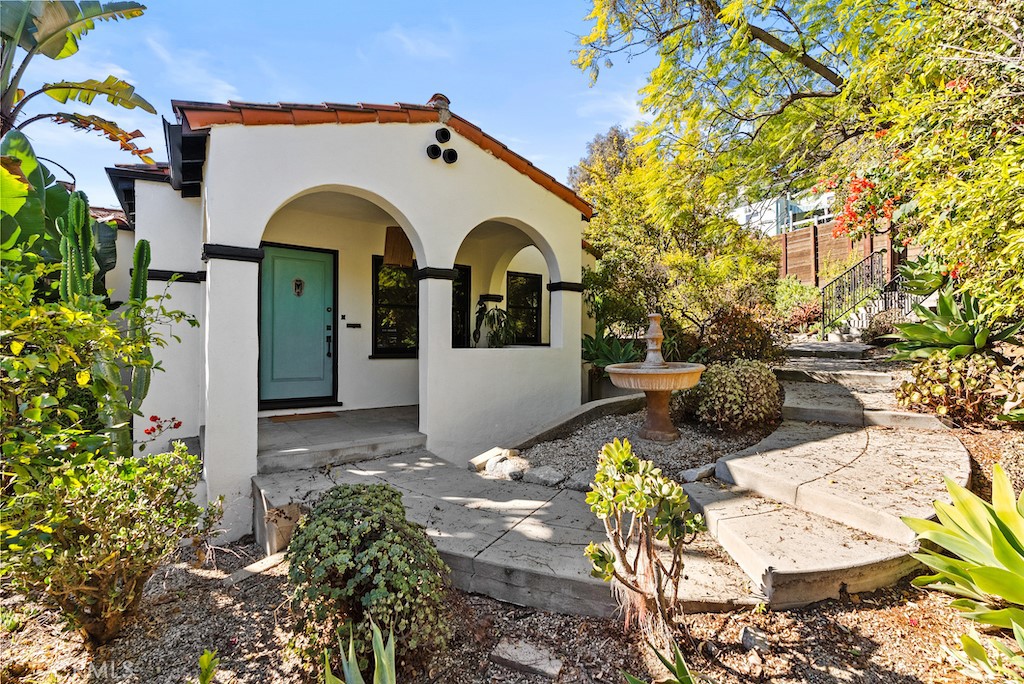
(807, 251)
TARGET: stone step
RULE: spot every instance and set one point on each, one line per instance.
(828, 350)
(793, 557)
(513, 541)
(842, 405)
(333, 452)
(867, 478)
(852, 373)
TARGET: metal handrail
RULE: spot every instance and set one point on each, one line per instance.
(843, 294)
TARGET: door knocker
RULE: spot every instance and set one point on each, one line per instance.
(298, 285)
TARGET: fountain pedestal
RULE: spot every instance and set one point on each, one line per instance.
(657, 379)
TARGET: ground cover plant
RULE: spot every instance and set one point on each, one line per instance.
(356, 559)
(733, 397)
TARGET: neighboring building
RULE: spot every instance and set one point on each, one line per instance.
(334, 256)
(785, 213)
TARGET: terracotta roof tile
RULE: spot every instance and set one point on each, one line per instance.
(202, 115)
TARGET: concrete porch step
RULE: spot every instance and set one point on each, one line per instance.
(828, 350)
(513, 541)
(866, 478)
(793, 557)
(842, 405)
(333, 452)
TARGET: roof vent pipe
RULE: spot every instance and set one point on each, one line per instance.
(450, 156)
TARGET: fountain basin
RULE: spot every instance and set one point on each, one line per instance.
(645, 378)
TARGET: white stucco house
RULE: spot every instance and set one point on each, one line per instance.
(334, 256)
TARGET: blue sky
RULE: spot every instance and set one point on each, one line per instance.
(507, 67)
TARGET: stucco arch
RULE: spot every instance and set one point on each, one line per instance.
(534, 236)
(399, 217)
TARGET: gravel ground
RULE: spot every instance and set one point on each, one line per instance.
(893, 636)
(696, 447)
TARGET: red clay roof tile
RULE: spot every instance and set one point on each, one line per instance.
(200, 115)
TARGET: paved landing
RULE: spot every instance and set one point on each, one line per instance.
(333, 437)
(828, 350)
(513, 541)
(843, 405)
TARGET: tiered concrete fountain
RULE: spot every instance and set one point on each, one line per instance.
(657, 379)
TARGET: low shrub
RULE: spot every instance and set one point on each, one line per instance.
(740, 333)
(802, 317)
(964, 390)
(87, 537)
(356, 558)
(792, 295)
(883, 323)
(738, 396)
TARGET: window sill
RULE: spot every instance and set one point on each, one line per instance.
(377, 357)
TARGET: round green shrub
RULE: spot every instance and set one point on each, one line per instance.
(740, 333)
(356, 557)
(737, 396)
(882, 323)
(965, 389)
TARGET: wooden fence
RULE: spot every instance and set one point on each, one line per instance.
(808, 252)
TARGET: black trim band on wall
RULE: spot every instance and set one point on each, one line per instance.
(565, 285)
(491, 298)
(183, 276)
(232, 253)
(432, 273)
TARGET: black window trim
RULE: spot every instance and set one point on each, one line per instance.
(538, 309)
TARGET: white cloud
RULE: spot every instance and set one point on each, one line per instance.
(423, 43)
(186, 69)
(610, 108)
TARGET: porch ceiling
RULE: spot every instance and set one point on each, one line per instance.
(343, 205)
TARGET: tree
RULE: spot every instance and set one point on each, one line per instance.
(53, 29)
(913, 111)
(664, 240)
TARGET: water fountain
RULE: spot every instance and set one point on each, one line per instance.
(657, 379)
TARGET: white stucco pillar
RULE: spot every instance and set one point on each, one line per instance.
(232, 357)
(435, 349)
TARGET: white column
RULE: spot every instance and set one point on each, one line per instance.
(435, 349)
(232, 357)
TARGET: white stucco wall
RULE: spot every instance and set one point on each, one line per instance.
(173, 227)
(469, 398)
(119, 279)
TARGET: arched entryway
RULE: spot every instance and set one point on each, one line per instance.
(338, 304)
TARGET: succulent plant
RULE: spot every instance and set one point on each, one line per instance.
(964, 389)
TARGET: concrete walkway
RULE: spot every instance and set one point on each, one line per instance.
(809, 512)
(513, 541)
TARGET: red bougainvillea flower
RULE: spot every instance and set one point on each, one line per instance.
(881, 133)
(73, 445)
(154, 419)
(177, 424)
(149, 430)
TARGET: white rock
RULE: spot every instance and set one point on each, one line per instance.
(523, 656)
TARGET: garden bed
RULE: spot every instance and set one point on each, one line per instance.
(892, 635)
(697, 446)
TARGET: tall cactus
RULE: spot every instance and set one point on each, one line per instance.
(76, 249)
(139, 291)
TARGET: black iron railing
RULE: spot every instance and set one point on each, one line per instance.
(864, 280)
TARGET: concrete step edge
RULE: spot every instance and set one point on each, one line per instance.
(337, 453)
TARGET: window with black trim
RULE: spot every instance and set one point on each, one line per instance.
(396, 309)
(523, 304)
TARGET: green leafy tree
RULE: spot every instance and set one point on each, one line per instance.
(53, 29)
(663, 238)
(914, 110)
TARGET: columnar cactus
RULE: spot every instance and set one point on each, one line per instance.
(76, 247)
(140, 274)
(140, 271)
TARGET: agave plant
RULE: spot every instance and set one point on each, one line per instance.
(923, 275)
(959, 329)
(986, 540)
(605, 349)
(383, 661)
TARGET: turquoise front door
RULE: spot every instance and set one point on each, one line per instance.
(296, 325)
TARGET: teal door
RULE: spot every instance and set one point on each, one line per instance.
(296, 325)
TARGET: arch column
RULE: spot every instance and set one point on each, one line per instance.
(435, 343)
(231, 390)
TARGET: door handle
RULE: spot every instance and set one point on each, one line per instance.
(328, 346)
